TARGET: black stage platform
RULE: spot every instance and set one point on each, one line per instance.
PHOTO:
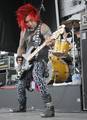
(66, 98)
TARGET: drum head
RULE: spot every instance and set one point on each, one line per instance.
(58, 71)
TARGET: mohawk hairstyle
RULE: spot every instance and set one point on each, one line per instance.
(25, 10)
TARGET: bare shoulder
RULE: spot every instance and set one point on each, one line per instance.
(45, 29)
(44, 25)
(22, 31)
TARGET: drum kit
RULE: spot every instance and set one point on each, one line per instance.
(59, 70)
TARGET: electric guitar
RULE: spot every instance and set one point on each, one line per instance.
(30, 55)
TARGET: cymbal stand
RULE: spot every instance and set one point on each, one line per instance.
(74, 65)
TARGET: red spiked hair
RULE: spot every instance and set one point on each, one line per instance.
(26, 10)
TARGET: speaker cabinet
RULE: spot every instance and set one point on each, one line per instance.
(84, 67)
(6, 76)
(7, 62)
(2, 78)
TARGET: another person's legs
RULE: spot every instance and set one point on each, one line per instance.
(21, 94)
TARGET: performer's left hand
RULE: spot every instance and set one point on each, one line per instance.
(49, 41)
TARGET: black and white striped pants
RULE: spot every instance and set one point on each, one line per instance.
(36, 74)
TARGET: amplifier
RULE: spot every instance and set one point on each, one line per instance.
(83, 24)
(6, 76)
(2, 78)
(7, 62)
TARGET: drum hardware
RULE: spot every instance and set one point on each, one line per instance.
(72, 24)
(55, 76)
(73, 50)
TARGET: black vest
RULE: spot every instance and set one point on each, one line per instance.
(36, 40)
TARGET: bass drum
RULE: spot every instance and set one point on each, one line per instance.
(58, 70)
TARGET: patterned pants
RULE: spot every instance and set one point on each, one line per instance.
(37, 74)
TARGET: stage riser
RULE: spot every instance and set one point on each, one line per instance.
(66, 98)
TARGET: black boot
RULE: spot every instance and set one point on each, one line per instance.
(18, 110)
(22, 108)
(49, 112)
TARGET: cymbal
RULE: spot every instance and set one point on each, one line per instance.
(71, 23)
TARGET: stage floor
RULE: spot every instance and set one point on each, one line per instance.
(35, 115)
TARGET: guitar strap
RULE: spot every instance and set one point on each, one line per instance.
(36, 40)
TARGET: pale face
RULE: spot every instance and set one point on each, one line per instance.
(30, 22)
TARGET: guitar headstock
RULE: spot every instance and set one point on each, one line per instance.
(60, 30)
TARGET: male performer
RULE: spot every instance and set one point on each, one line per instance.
(33, 34)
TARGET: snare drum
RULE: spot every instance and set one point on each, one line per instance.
(62, 46)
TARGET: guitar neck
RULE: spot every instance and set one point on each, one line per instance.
(36, 51)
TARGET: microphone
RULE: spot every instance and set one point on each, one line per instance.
(42, 6)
